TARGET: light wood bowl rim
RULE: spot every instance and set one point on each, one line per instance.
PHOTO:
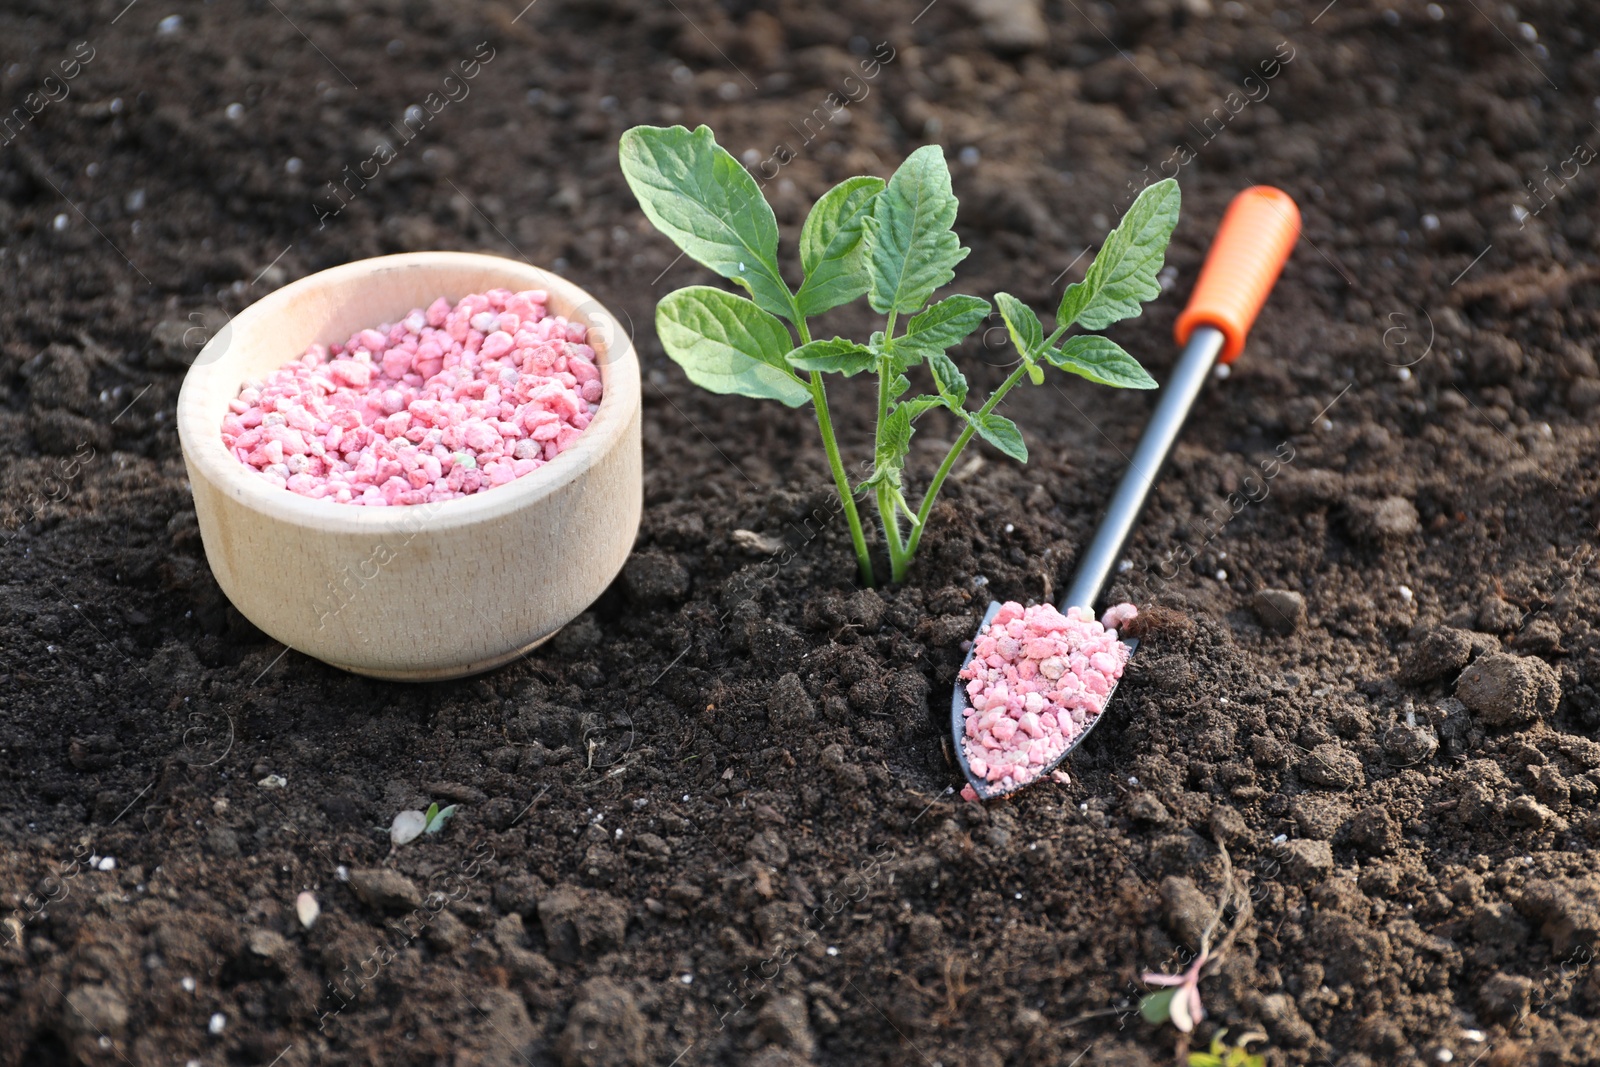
(200, 408)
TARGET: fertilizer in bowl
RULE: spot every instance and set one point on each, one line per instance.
(1036, 681)
(447, 402)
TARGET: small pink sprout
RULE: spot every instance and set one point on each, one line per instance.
(1182, 1004)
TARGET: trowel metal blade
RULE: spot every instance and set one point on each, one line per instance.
(958, 721)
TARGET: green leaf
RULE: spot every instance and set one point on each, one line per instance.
(889, 451)
(893, 444)
(1002, 433)
(949, 380)
(728, 345)
(1022, 324)
(1157, 1007)
(1123, 274)
(911, 249)
(427, 816)
(835, 356)
(831, 250)
(701, 197)
(921, 405)
(437, 817)
(945, 324)
(1035, 374)
(898, 386)
(895, 438)
(1100, 360)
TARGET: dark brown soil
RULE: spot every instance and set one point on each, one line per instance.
(713, 823)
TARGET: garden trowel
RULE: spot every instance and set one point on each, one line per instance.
(1257, 233)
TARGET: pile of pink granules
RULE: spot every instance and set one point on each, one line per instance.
(1036, 681)
(444, 403)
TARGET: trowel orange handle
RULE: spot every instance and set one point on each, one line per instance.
(1255, 238)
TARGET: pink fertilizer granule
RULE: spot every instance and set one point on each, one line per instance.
(446, 402)
(1036, 681)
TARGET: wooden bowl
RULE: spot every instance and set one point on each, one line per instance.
(426, 591)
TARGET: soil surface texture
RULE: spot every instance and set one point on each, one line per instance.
(715, 820)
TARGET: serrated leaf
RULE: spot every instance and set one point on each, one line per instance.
(1027, 333)
(921, 405)
(831, 251)
(949, 380)
(911, 249)
(1100, 360)
(1123, 274)
(697, 194)
(1157, 1007)
(945, 324)
(1002, 433)
(727, 344)
(890, 449)
(833, 356)
(898, 385)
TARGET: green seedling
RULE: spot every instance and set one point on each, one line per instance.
(1179, 1002)
(1223, 1055)
(892, 242)
(410, 824)
(436, 817)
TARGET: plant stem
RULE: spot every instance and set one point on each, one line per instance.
(904, 563)
(830, 445)
(886, 512)
(841, 481)
(891, 529)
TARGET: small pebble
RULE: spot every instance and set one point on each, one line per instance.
(106, 864)
(218, 1023)
(447, 402)
(307, 908)
(407, 827)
